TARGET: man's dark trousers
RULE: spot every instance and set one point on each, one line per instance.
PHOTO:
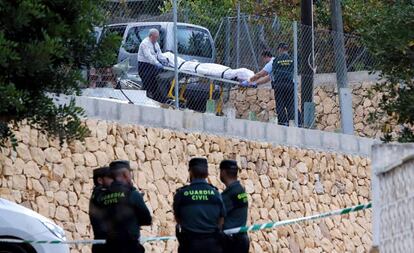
(285, 98)
(99, 248)
(237, 243)
(201, 244)
(124, 246)
(148, 74)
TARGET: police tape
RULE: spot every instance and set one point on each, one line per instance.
(142, 240)
(271, 225)
(255, 227)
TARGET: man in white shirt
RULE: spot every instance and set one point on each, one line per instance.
(150, 62)
(263, 76)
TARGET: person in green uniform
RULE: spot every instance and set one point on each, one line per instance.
(126, 211)
(199, 212)
(101, 180)
(282, 84)
(236, 203)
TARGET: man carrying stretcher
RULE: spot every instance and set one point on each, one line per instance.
(150, 62)
(280, 72)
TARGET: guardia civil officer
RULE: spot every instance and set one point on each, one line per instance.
(101, 180)
(236, 204)
(279, 71)
(282, 84)
(199, 212)
(126, 211)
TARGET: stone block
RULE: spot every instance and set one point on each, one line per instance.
(107, 110)
(193, 120)
(235, 127)
(151, 116)
(173, 119)
(365, 146)
(330, 141)
(295, 136)
(255, 130)
(312, 139)
(88, 104)
(129, 113)
(275, 133)
(214, 124)
(349, 143)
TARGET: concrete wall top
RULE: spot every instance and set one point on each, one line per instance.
(329, 79)
(188, 121)
(385, 157)
(353, 77)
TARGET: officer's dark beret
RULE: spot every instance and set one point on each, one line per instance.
(101, 172)
(119, 164)
(283, 45)
(198, 162)
(228, 165)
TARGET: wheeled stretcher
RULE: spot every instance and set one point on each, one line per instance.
(224, 76)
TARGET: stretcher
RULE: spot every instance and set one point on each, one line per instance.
(212, 71)
(211, 106)
(217, 74)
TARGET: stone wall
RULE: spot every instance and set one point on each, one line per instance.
(365, 100)
(282, 182)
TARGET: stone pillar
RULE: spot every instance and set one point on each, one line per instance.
(393, 199)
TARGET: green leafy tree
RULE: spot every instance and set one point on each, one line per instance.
(44, 45)
(389, 35)
(205, 12)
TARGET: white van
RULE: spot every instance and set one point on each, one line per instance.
(194, 42)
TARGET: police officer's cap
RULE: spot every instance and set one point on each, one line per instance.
(283, 45)
(199, 167)
(229, 165)
(101, 172)
(198, 162)
(118, 165)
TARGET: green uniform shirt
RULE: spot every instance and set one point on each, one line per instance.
(236, 204)
(282, 69)
(97, 213)
(125, 212)
(198, 207)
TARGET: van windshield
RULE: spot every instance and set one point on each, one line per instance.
(137, 34)
(194, 41)
(117, 30)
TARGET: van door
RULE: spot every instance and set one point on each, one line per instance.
(135, 35)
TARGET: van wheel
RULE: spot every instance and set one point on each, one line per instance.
(14, 248)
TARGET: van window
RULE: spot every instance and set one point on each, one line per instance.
(137, 34)
(194, 41)
(117, 30)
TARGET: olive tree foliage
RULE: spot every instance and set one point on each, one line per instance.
(44, 45)
(389, 35)
(205, 12)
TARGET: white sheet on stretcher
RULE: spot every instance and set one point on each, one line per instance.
(210, 69)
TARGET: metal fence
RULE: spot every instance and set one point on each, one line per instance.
(241, 42)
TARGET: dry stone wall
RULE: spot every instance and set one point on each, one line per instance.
(365, 100)
(282, 183)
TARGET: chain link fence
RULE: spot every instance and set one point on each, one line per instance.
(216, 53)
